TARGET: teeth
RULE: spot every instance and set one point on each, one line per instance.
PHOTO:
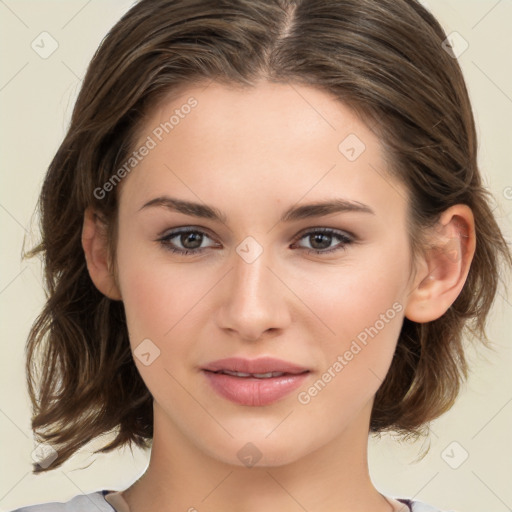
(257, 375)
(236, 374)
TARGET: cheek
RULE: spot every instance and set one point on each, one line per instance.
(357, 357)
(158, 301)
(163, 303)
(353, 296)
(156, 294)
(359, 309)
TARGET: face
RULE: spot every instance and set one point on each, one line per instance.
(253, 272)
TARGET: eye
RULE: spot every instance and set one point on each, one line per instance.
(322, 238)
(190, 240)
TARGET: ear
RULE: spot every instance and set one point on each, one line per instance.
(444, 266)
(95, 245)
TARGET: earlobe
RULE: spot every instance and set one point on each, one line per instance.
(95, 245)
(445, 266)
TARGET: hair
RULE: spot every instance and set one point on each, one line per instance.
(385, 60)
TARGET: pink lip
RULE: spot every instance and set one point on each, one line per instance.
(254, 391)
(261, 365)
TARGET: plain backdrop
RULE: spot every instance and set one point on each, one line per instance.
(469, 465)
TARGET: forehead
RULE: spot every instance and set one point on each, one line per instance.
(264, 115)
(280, 141)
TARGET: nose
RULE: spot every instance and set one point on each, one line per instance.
(255, 300)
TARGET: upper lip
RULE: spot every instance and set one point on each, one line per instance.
(261, 365)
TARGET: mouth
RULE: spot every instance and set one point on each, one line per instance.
(268, 375)
(256, 382)
(260, 367)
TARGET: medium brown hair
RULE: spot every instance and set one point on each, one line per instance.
(382, 58)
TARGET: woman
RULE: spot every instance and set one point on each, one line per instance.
(265, 234)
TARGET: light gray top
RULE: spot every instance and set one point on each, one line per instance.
(96, 502)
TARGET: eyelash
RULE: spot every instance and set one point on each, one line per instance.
(345, 240)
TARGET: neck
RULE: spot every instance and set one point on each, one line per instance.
(182, 477)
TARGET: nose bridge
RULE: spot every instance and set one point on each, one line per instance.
(251, 275)
(254, 302)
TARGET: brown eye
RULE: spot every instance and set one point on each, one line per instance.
(321, 239)
(184, 241)
(191, 240)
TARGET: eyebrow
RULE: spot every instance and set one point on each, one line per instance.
(306, 211)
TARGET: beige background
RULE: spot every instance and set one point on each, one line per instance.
(36, 98)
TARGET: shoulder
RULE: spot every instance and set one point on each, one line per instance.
(92, 502)
(420, 506)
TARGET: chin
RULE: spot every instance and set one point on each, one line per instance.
(260, 452)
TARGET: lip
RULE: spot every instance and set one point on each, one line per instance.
(260, 365)
(253, 391)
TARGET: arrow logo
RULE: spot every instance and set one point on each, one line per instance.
(146, 352)
(351, 147)
(249, 249)
(249, 455)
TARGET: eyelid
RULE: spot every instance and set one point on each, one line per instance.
(345, 239)
(302, 233)
(185, 229)
(328, 230)
(174, 232)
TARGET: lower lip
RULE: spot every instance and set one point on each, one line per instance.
(253, 391)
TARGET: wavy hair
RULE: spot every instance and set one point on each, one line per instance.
(382, 58)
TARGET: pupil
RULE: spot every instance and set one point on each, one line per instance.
(191, 237)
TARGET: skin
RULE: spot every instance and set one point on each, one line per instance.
(253, 154)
